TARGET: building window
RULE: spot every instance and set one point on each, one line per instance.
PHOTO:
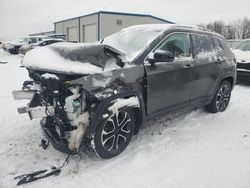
(118, 22)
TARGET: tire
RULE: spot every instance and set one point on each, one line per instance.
(114, 133)
(221, 98)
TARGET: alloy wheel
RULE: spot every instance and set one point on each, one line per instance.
(116, 131)
(223, 97)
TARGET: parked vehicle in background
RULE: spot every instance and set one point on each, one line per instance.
(233, 43)
(242, 54)
(100, 94)
(58, 36)
(25, 48)
(14, 46)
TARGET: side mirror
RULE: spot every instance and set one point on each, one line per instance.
(162, 56)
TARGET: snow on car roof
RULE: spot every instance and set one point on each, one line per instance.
(166, 26)
(242, 55)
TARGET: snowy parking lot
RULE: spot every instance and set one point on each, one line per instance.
(188, 149)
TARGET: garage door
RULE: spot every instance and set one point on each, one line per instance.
(72, 34)
(90, 33)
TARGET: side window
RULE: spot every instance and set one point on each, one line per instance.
(218, 47)
(225, 48)
(178, 44)
(33, 40)
(202, 44)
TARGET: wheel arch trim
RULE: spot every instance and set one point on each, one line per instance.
(97, 115)
(229, 77)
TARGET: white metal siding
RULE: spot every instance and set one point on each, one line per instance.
(110, 23)
(90, 33)
(72, 34)
(85, 21)
(65, 27)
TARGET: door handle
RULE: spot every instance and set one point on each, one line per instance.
(188, 66)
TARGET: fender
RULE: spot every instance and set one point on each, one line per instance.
(218, 84)
(97, 117)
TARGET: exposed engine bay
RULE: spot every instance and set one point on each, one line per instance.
(63, 107)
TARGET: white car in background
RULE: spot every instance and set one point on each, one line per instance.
(14, 46)
(25, 48)
(233, 43)
(242, 54)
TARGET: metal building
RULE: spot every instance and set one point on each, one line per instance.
(46, 33)
(95, 26)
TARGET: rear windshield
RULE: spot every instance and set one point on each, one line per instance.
(244, 46)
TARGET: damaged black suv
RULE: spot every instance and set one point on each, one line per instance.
(100, 94)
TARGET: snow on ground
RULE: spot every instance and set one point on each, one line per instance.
(191, 149)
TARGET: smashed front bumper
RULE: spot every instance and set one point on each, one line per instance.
(51, 134)
(33, 108)
(55, 125)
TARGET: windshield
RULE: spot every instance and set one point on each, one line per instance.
(233, 44)
(133, 40)
(244, 46)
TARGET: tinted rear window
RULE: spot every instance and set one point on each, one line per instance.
(217, 44)
(202, 44)
(226, 48)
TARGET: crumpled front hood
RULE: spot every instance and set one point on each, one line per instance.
(70, 58)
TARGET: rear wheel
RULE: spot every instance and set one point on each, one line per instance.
(221, 98)
(114, 133)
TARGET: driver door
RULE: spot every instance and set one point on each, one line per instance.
(170, 84)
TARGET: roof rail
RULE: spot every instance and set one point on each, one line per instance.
(184, 26)
(205, 29)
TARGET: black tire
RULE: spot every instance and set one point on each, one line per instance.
(221, 98)
(114, 133)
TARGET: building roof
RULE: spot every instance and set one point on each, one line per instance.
(117, 13)
(41, 33)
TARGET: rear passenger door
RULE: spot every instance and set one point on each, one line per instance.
(206, 66)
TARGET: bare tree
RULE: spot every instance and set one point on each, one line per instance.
(217, 26)
(245, 27)
(201, 25)
(230, 31)
(239, 29)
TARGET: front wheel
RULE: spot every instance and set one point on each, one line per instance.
(221, 98)
(114, 133)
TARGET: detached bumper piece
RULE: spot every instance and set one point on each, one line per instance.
(49, 129)
(21, 94)
(27, 178)
(37, 175)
